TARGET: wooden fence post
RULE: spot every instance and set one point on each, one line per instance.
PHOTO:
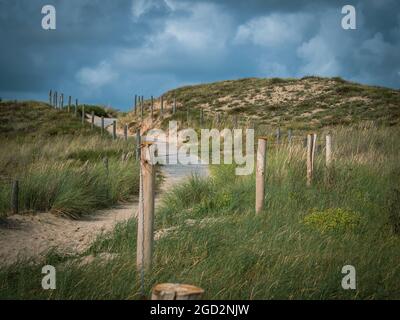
(138, 143)
(55, 100)
(62, 101)
(290, 136)
(174, 107)
(328, 148)
(50, 97)
(102, 125)
(69, 104)
(278, 135)
(114, 130)
(135, 105)
(260, 173)
(176, 291)
(83, 115)
(311, 141)
(76, 107)
(145, 233)
(92, 122)
(15, 197)
(126, 132)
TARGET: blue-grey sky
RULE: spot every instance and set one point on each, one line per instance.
(105, 51)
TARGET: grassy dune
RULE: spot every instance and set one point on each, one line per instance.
(310, 103)
(59, 162)
(294, 249)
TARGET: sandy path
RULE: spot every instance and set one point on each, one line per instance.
(32, 236)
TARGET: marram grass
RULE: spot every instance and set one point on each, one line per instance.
(213, 239)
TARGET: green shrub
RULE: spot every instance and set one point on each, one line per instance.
(333, 219)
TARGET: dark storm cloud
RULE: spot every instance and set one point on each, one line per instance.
(104, 51)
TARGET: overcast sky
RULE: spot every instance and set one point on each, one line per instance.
(105, 51)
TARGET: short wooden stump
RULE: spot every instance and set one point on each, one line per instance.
(176, 291)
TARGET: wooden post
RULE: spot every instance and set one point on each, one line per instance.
(201, 117)
(176, 291)
(174, 107)
(290, 136)
(260, 173)
(145, 232)
(235, 121)
(126, 132)
(311, 139)
(138, 143)
(328, 147)
(69, 104)
(15, 197)
(114, 129)
(92, 122)
(76, 107)
(50, 97)
(83, 115)
(187, 115)
(55, 100)
(102, 125)
(62, 101)
(135, 104)
(278, 135)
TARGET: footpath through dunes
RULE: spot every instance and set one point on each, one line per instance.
(32, 236)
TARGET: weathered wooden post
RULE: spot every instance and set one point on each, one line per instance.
(260, 173)
(76, 107)
(235, 121)
(50, 97)
(311, 140)
(174, 107)
(92, 120)
(138, 143)
(135, 104)
(114, 130)
(126, 132)
(278, 135)
(102, 125)
(187, 116)
(328, 148)
(176, 291)
(55, 99)
(290, 136)
(62, 101)
(69, 103)
(145, 233)
(83, 115)
(15, 197)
